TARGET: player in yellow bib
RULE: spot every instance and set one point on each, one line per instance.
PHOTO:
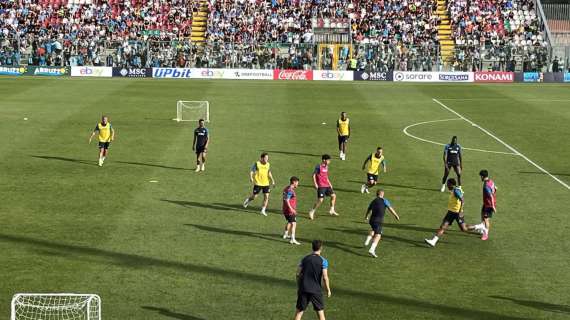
(376, 164)
(454, 212)
(106, 135)
(260, 175)
(343, 130)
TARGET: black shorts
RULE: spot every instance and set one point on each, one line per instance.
(453, 216)
(200, 149)
(290, 218)
(303, 299)
(342, 139)
(258, 189)
(487, 212)
(376, 227)
(452, 164)
(104, 145)
(326, 191)
(372, 177)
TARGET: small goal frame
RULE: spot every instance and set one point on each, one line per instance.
(90, 299)
(180, 105)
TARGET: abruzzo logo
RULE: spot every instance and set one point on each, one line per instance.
(453, 77)
(44, 71)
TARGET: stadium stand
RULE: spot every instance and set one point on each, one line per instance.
(387, 34)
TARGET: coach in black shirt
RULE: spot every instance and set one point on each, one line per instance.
(313, 270)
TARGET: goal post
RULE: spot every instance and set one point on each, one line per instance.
(192, 111)
(55, 306)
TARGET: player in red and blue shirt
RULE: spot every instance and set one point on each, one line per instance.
(323, 185)
(290, 210)
(489, 204)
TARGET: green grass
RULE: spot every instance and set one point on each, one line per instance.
(183, 248)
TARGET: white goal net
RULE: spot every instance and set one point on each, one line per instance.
(56, 306)
(192, 111)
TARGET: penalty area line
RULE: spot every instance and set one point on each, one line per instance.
(564, 184)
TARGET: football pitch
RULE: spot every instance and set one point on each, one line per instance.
(183, 247)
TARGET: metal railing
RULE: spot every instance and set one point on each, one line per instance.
(369, 57)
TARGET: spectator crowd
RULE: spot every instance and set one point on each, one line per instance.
(386, 34)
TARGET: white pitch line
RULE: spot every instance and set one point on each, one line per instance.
(492, 99)
(503, 143)
(405, 130)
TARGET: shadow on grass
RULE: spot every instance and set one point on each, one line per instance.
(218, 206)
(167, 313)
(154, 165)
(129, 260)
(382, 184)
(277, 238)
(543, 306)
(306, 186)
(292, 153)
(93, 162)
(364, 232)
(87, 162)
(538, 172)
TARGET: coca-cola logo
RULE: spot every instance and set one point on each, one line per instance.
(292, 74)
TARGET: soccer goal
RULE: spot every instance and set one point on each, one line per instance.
(192, 111)
(56, 306)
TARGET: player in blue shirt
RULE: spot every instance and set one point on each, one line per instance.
(378, 208)
(200, 145)
(452, 159)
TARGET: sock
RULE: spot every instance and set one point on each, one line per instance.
(332, 209)
(435, 238)
(285, 233)
(262, 209)
(293, 237)
(373, 247)
(368, 239)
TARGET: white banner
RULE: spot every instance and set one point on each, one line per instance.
(248, 74)
(329, 75)
(207, 73)
(409, 76)
(91, 71)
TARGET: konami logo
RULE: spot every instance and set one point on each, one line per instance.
(494, 76)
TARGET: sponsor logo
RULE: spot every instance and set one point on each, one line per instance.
(372, 76)
(13, 71)
(45, 71)
(453, 77)
(171, 73)
(329, 75)
(412, 76)
(533, 77)
(132, 72)
(211, 73)
(253, 74)
(494, 76)
(567, 77)
(91, 71)
(279, 74)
